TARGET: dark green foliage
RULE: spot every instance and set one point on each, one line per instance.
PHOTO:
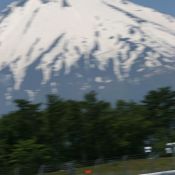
(29, 155)
(160, 106)
(84, 131)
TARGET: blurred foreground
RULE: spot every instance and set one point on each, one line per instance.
(106, 167)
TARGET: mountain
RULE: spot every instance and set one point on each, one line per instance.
(69, 47)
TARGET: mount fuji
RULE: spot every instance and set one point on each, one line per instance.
(69, 47)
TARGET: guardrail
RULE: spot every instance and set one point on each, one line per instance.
(172, 172)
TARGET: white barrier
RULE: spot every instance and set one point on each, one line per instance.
(172, 172)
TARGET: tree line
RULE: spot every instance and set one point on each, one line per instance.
(84, 131)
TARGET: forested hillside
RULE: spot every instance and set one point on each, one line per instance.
(65, 130)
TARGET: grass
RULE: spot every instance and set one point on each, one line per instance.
(129, 167)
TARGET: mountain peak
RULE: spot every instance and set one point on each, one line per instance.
(54, 35)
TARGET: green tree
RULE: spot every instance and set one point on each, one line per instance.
(160, 105)
(28, 119)
(55, 115)
(95, 126)
(28, 155)
(130, 127)
(4, 157)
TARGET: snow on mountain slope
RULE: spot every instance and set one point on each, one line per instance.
(59, 32)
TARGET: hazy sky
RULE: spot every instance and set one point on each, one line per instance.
(165, 6)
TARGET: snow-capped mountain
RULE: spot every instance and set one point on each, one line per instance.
(81, 44)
